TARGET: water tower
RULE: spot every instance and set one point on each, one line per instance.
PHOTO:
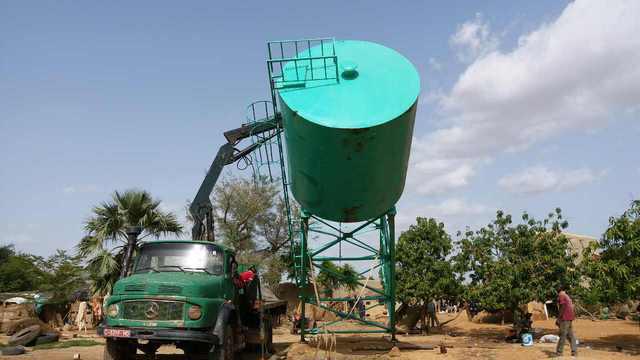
(347, 110)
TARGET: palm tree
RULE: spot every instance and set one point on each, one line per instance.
(332, 276)
(114, 230)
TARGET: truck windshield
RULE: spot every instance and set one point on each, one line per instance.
(165, 257)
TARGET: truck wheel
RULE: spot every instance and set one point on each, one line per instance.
(196, 351)
(226, 352)
(119, 350)
(268, 334)
(150, 349)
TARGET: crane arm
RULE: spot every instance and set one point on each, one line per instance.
(201, 209)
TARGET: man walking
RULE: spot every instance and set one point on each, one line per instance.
(564, 322)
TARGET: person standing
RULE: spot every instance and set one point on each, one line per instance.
(566, 316)
(362, 309)
(432, 319)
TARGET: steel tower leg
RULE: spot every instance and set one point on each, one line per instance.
(391, 215)
(304, 281)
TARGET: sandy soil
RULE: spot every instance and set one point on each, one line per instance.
(612, 339)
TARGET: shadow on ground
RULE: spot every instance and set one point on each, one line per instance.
(627, 343)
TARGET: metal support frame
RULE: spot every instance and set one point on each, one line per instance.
(305, 259)
(310, 67)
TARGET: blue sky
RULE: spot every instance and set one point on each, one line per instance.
(525, 105)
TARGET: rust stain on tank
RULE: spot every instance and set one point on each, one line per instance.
(351, 213)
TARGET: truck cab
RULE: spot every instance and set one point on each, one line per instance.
(187, 293)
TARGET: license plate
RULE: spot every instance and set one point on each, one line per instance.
(117, 332)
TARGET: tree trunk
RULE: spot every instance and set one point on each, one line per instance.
(132, 239)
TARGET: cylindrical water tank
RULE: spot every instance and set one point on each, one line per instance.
(348, 142)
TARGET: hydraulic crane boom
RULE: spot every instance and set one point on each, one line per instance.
(201, 209)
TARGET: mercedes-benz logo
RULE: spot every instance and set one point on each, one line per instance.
(152, 310)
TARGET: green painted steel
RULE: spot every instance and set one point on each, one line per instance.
(348, 141)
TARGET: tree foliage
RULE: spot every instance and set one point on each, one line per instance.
(509, 265)
(106, 239)
(332, 276)
(612, 266)
(250, 217)
(423, 269)
(19, 272)
(63, 275)
(59, 275)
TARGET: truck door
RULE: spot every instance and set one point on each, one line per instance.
(231, 276)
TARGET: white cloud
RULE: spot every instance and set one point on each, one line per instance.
(431, 173)
(455, 212)
(474, 39)
(88, 188)
(455, 207)
(573, 74)
(538, 179)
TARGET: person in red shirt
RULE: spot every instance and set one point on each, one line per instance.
(249, 275)
(565, 322)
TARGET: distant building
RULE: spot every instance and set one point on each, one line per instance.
(578, 243)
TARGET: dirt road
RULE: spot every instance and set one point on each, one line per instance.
(612, 339)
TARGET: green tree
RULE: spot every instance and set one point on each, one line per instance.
(63, 274)
(6, 251)
(106, 239)
(250, 216)
(349, 277)
(510, 265)
(612, 266)
(423, 271)
(332, 276)
(327, 279)
(239, 205)
(19, 272)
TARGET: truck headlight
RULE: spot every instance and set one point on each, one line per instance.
(195, 312)
(113, 310)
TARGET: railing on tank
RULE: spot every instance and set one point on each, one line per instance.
(309, 65)
(265, 157)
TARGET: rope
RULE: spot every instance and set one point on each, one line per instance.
(328, 340)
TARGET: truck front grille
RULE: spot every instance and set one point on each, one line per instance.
(153, 310)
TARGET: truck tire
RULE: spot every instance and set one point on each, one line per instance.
(25, 336)
(150, 349)
(226, 351)
(268, 335)
(119, 350)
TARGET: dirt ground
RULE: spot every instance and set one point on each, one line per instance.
(611, 339)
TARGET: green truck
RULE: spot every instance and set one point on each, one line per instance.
(190, 294)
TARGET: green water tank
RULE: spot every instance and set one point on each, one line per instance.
(348, 142)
